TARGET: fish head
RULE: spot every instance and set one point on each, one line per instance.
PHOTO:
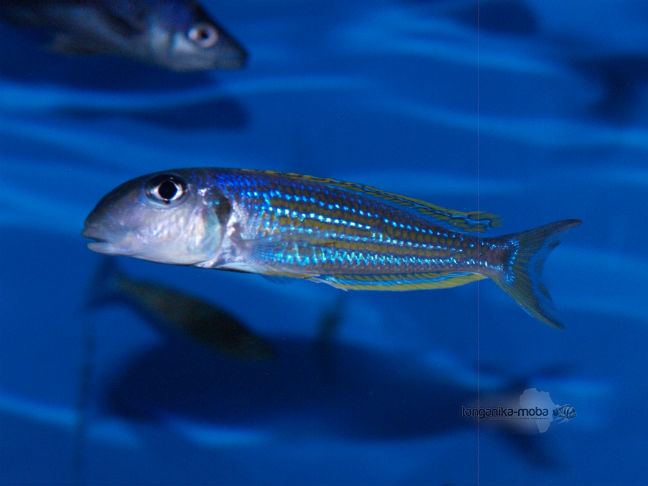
(185, 38)
(166, 217)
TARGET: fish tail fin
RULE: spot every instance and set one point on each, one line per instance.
(521, 276)
(105, 284)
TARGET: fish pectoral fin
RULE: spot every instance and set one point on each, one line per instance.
(272, 274)
(399, 281)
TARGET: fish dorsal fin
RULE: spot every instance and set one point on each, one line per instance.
(105, 28)
(466, 221)
(471, 221)
(130, 17)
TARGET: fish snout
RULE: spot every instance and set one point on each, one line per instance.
(102, 236)
(233, 57)
(97, 237)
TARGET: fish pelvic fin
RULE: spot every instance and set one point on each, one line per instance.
(521, 277)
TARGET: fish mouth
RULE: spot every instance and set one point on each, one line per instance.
(234, 63)
(107, 248)
(101, 245)
(231, 57)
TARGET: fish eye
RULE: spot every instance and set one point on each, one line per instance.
(166, 188)
(203, 34)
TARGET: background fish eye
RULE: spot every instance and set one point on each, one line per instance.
(203, 34)
(166, 188)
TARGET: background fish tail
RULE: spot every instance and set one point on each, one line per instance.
(521, 277)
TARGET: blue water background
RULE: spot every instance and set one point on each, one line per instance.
(540, 115)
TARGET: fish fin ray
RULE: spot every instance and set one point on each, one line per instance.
(270, 274)
(127, 23)
(471, 221)
(399, 282)
(293, 245)
(523, 270)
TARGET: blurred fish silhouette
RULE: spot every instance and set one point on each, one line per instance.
(621, 76)
(175, 311)
(502, 17)
(176, 34)
(564, 413)
(341, 390)
(330, 320)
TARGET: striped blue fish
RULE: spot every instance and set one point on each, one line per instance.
(347, 235)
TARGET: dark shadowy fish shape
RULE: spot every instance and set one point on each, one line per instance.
(622, 77)
(341, 391)
(30, 67)
(221, 113)
(176, 34)
(508, 17)
(330, 321)
(344, 234)
(176, 312)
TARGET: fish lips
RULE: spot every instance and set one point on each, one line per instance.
(100, 244)
(232, 63)
(235, 57)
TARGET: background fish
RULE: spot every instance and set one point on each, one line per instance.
(347, 235)
(179, 312)
(176, 34)
(356, 393)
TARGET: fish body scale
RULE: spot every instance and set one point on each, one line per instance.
(312, 228)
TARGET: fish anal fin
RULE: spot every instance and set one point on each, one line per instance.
(400, 281)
